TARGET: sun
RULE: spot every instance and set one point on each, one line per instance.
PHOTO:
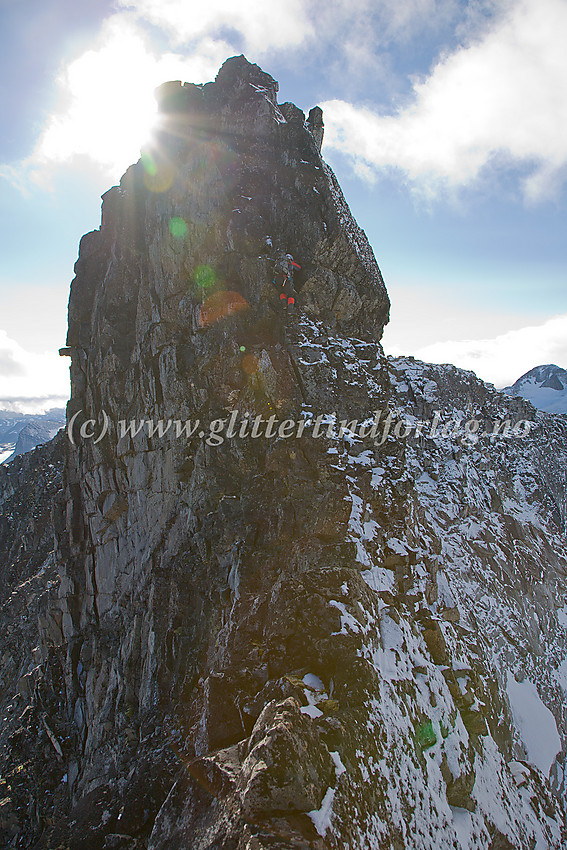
(108, 107)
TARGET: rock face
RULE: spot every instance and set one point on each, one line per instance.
(299, 635)
(30, 620)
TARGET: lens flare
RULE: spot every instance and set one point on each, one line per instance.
(243, 348)
(158, 176)
(205, 277)
(178, 227)
(148, 162)
(219, 305)
(425, 735)
(250, 364)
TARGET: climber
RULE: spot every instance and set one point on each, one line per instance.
(283, 279)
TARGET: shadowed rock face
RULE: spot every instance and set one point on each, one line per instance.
(29, 621)
(267, 641)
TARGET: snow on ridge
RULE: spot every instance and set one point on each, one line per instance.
(461, 549)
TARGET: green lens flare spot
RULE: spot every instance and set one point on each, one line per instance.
(426, 736)
(149, 164)
(204, 277)
(243, 348)
(178, 227)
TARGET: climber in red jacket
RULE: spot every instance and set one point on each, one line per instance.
(283, 279)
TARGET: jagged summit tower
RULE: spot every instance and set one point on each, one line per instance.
(175, 548)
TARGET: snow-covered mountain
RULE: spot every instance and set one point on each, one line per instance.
(545, 386)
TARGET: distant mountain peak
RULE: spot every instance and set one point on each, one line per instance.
(544, 386)
(22, 432)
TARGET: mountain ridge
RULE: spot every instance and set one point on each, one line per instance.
(316, 640)
(21, 432)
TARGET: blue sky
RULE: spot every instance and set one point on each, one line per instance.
(445, 121)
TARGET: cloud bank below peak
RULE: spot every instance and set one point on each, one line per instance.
(503, 358)
(499, 101)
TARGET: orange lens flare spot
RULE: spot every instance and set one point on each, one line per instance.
(178, 227)
(219, 305)
(250, 364)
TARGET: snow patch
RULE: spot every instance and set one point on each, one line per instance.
(322, 817)
(535, 723)
(347, 620)
(313, 681)
(339, 766)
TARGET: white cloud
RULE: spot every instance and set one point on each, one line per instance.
(291, 25)
(499, 100)
(402, 21)
(40, 329)
(279, 24)
(31, 382)
(106, 104)
(504, 358)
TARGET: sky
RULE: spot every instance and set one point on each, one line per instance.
(445, 122)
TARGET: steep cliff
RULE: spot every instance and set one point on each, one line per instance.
(302, 634)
